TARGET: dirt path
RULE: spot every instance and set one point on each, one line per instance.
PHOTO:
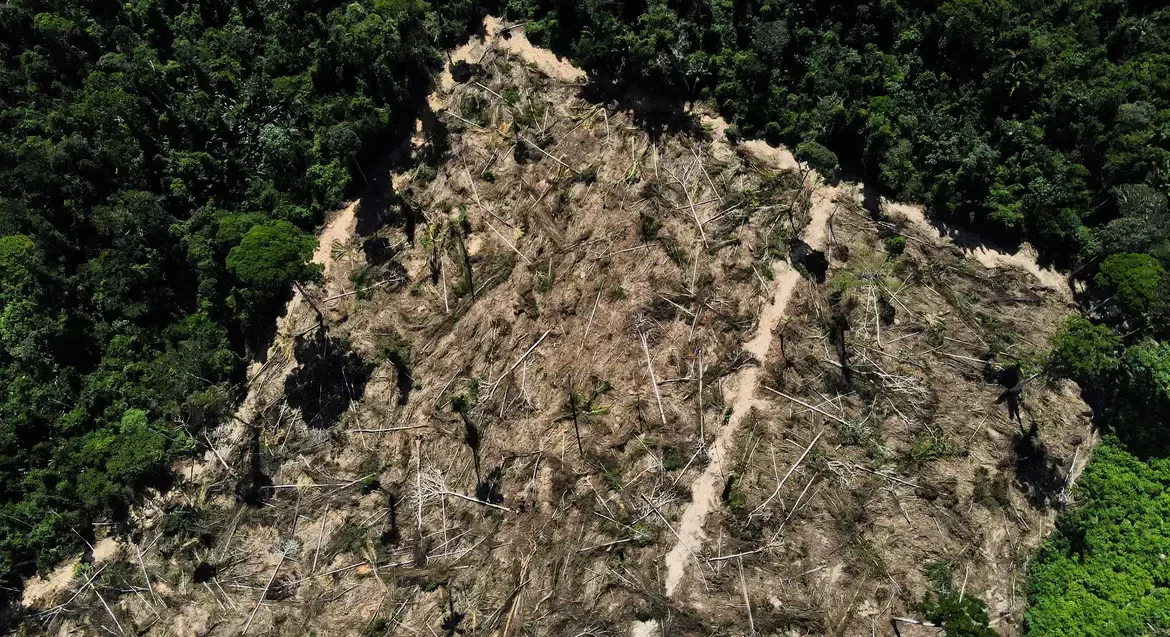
(706, 489)
(1025, 259)
(517, 44)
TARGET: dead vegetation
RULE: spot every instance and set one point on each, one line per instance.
(905, 428)
(521, 371)
(517, 379)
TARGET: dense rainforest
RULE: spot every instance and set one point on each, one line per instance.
(162, 162)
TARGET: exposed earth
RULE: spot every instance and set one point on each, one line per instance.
(584, 367)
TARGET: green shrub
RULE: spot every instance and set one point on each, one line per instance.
(895, 245)
(959, 617)
(1131, 280)
(1084, 352)
(821, 159)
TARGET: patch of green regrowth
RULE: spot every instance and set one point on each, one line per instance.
(895, 245)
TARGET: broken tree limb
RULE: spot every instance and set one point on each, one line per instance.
(501, 97)
(907, 620)
(589, 324)
(142, 565)
(385, 429)
(576, 425)
(547, 154)
(964, 358)
(602, 546)
(796, 464)
(260, 601)
(509, 243)
(362, 290)
(93, 588)
(702, 433)
(886, 476)
(709, 181)
(653, 381)
(691, 203)
(525, 355)
(320, 537)
(746, 601)
(211, 446)
(804, 404)
(676, 535)
(677, 306)
(469, 123)
(775, 536)
(463, 497)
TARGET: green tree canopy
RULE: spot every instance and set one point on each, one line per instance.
(1085, 352)
(821, 159)
(273, 255)
(161, 167)
(1141, 409)
(1104, 572)
(1131, 279)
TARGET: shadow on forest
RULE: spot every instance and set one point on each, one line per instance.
(329, 377)
(259, 333)
(490, 488)
(379, 204)
(657, 115)
(961, 231)
(1144, 437)
(391, 536)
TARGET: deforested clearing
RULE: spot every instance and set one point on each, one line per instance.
(581, 367)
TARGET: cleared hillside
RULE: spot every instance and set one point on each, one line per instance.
(585, 368)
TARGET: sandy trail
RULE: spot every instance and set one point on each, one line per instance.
(706, 489)
(709, 485)
(39, 591)
(517, 44)
(1024, 259)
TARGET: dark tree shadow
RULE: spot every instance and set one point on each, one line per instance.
(810, 262)
(378, 204)
(377, 250)
(657, 115)
(403, 381)
(871, 200)
(1039, 474)
(258, 332)
(490, 488)
(392, 536)
(254, 487)
(375, 198)
(1143, 433)
(451, 621)
(966, 234)
(204, 572)
(1009, 379)
(328, 378)
(463, 71)
(838, 325)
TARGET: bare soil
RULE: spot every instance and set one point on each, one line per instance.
(577, 376)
